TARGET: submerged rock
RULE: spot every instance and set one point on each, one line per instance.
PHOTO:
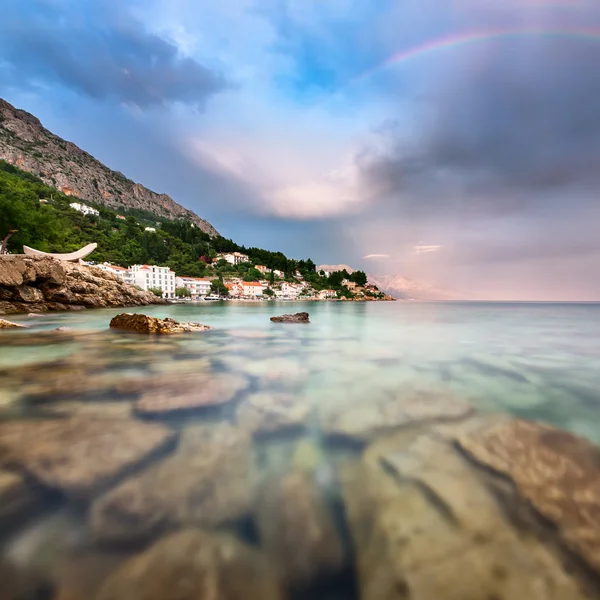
(301, 317)
(298, 530)
(271, 412)
(16, 495)
(187, 392)
(209, 480)
(139, 323)
(427, 524)
(556, 471)
(78, 455)
(193, 565)
(406, 408)
(9, 325)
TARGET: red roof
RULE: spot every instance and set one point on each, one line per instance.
(252, 283)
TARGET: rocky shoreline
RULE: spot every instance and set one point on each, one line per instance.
(40, 284)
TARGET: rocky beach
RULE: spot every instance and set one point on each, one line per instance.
(160, 458)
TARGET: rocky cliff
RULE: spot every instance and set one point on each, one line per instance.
(39, 284)
(25, 142)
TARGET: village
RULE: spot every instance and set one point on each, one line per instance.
(273, 286)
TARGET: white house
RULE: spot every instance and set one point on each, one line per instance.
(235, 289)
(125, 274)
(233, 258)
(278, 273)
(150, 229)
(84, 208)
(151, 276)
(197, 286)
(325, 294)
(252, 289)
(350, 284)
(264, 270)
(289, 290)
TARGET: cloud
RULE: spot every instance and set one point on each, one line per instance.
(98, 50)
(425, 249)
(375, 256)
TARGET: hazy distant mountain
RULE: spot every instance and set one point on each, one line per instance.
(401, 287)
(27, 144)
(404, 288)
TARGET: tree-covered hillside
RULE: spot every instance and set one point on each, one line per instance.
(53, 226)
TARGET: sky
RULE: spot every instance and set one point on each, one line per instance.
(455, 141)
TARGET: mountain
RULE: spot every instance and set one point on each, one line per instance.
(27, 144)
(401, 287)
(409, 289)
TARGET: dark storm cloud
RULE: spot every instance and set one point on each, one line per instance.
(99, 51)
(502, 129)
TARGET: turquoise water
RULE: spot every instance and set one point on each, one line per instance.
(531, 360)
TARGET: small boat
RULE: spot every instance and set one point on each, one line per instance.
(70, 257)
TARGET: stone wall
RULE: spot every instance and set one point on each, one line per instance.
(40, 284)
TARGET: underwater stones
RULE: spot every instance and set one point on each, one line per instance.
(271, 412)
(409, 407)
(188, 392)
(79, 455)
(193, 565)
(208, 481)
(139, 323)
(557, 472)
(16, 495)
(301, 317)
(4, 324)
(298, 530)
(426, 526)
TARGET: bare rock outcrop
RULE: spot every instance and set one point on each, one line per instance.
(39, 284)
(301, 317)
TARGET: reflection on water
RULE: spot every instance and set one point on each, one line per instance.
(259, 430)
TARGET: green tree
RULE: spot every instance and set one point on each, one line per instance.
(157, 291)
(359, 277)
(218, 288)
(268, 292)
(182, 292)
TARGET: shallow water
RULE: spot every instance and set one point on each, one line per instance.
(537, 361)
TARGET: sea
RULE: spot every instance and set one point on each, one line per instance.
(536, 361)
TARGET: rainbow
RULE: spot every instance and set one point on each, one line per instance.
(473, 37)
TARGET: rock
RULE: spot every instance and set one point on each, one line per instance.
(298, 530)
(187, 392)
(20, 583)
(9, 325)
(425, 526)
(193, 565)
(38, 284)
(405, 408)
(64, 329)
(267, 413)
(301, 317)
(144, 324)
(207, 482)
(79, 456)
(16, 495)
(557, 472)
(104, 409)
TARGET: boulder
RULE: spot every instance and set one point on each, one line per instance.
(556, 472)
(78, 455)
(139, 323)
(301, 317)
(270, 412)
(425, 526)
(406, 407)
(26, 293)
(188, 392)
(298, 530)
(9, 325)
(209, 481)
(193, 565)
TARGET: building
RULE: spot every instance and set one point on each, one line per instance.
(235, 289)
(121, 217)
(289, 290)
(125, 274)
(84, 208)
(264, 270)
(325, 294)
(350, 285)
(150, 229)
(252, 289)
(151, 276)
(233, 258)
(197, 286)
(278, 273)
